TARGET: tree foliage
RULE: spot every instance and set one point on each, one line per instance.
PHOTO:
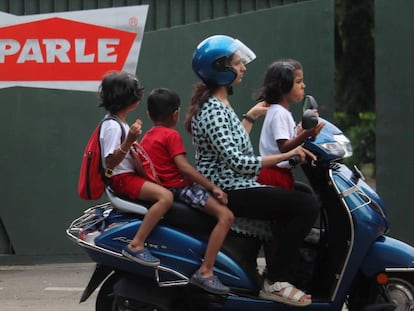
(355, 73)
(354, 56)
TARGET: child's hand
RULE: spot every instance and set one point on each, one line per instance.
(220, 195)
(313, 132)
(316, 130)
(134, 131)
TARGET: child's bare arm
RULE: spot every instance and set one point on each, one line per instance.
(289, 144)
(119, 154)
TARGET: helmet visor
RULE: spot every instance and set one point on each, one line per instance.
(245, 53)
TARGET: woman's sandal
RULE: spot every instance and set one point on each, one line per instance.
(284, 292)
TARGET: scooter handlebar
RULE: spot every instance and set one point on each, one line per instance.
(295, 160)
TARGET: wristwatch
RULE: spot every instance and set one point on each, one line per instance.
(248, 118)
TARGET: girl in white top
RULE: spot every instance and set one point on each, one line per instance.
(120, 94)
(283, 84)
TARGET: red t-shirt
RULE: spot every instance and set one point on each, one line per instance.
(163, 144)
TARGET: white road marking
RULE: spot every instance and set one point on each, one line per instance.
(64, 289)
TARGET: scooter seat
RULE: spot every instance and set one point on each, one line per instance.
(180, 215)
(189, 219)
(125, 205)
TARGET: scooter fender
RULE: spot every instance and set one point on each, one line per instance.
(388, 254)
(99, 275)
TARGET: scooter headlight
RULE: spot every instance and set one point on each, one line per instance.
(340, 148)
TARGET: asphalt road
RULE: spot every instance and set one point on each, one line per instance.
(48, 287)
(56, 287)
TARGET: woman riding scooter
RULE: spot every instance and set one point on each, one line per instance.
(225, 156)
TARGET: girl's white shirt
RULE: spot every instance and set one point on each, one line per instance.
(110, 138)
(278, 124)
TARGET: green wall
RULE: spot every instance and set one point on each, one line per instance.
(394, 78)
(46, 130)
(278, 32)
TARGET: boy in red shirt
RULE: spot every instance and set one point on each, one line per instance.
(165, 147)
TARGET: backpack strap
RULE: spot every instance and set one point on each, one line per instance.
(111, 117)
(106, 175)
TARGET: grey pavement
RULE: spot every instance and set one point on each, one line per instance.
(45, 287)
(48, 287)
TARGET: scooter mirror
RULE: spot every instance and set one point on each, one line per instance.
(309, 103)
(309, 119)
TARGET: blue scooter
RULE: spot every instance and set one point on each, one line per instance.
(348, 261)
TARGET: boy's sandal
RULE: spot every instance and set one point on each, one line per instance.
(210, 284)
(282, 292)
(143, 256)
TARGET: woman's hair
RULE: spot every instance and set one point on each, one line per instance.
(118, 90)
(201, 93)
(162, 103)
(278, 80)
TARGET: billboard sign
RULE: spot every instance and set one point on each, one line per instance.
(69, 50)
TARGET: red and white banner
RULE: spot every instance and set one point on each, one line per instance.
(69, 50)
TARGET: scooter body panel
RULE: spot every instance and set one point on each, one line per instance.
(388, 254)
(176, 250)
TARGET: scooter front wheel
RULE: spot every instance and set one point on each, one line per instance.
(396, 294)
(401, 293)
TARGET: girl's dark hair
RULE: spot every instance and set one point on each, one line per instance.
(278, 80)
(201, 93)
(118, 90)
(161, 103)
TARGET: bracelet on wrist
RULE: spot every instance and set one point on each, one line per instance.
(122, 150)
(248, 118)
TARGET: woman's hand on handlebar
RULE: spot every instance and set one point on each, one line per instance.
(303, 154)
(299, 152)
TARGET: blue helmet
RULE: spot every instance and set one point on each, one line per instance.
(211, 59)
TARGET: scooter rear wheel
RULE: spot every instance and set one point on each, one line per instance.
(105, 299)
(108, 301)
(124, 304)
